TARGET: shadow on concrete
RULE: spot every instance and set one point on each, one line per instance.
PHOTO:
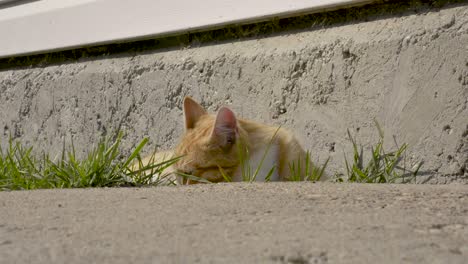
(12, 3)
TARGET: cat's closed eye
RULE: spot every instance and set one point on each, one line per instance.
(188, 172)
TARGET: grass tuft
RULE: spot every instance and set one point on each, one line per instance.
(248, 172)
(104, 166)
(19, 169)
(306, 170)
(382, 167)
(153, 173)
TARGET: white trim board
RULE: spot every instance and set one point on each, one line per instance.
(53, 25)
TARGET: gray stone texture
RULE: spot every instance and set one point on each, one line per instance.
(409, 72)
(275, 223)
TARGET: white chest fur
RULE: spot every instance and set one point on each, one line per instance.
(259, 165)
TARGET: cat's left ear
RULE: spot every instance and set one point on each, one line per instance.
(192, 112)
(225, 128)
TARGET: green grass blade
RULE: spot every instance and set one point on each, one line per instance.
(264, 155)
(268, 177)
(322, 170)
(226, 177)
(193, 178)
(135, 152)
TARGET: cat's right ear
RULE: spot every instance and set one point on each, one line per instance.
(192, 112)
(225, 129)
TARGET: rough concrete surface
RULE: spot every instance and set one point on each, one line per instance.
(408, 71)
(237, 223)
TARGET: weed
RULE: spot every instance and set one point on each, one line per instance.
(305, 170)
(153, 172)
(248, 174)
(382, 167)
(104, 166)
(19, 169)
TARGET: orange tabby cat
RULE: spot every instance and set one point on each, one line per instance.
(211, 141)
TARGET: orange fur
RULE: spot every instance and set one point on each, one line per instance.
(209, 142)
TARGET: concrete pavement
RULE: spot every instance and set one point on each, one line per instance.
(237, 223)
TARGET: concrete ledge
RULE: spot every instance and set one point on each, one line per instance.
(407, 70)
(237, 223)
(51, 25)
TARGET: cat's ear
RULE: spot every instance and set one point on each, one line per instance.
(192, 112)
(225, 128)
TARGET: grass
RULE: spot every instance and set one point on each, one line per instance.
(306, 170)
(249, 173)
(106, 166)
(151, 173)
(381, 167)
(301, 170)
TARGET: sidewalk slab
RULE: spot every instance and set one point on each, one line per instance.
(237, 223)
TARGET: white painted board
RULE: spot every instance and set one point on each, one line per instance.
(52, 25)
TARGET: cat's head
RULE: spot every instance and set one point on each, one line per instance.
(209, 141)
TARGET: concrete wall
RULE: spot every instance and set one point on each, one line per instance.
(408, 71)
